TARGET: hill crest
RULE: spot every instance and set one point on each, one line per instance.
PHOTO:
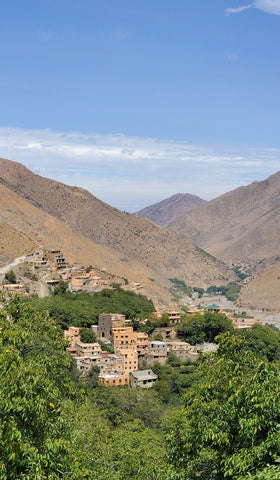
(241, 225)
(169, 209)
(138, 243)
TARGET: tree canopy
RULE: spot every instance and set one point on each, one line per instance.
(35, 388)
(53, 426)
(83, 309)
(229, 426)
(203, 328)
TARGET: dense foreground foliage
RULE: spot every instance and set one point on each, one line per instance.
(229, 427)
(54, 426)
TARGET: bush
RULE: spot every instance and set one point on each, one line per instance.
(203, 328)
(11, 277)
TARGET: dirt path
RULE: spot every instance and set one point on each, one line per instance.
(12, 265)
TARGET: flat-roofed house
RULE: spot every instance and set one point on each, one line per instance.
(142, 378)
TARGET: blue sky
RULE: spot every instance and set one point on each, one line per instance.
(139, 99)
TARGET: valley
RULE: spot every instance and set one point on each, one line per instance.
(200, 243)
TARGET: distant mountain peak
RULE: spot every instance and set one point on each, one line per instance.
(168, 210)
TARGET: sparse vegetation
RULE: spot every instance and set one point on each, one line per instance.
(239, 272)
(10, 277)
(230, 291)
(181, 285)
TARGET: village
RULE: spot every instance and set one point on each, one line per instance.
(135, 352)
(45, 268)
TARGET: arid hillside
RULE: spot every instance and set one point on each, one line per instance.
(171, 208)
(242, 225)
(22, 226)
(141, 246)
(13, 243)
(262, 292)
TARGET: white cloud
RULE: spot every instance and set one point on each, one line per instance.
(132, 172)
(229, 11)
(268, 6)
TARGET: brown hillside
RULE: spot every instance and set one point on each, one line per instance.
(171, 208)
(22, 225)
(13, 244)
(242, 225)
(160, 251)
(262, 292)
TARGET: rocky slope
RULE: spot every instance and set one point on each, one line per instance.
(242, 225)
(171, 208)
(141, 246)
(22, 226)
(262, 291)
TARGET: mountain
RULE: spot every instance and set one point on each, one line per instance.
(242, 225)
(171, 208)
(262, 292)
(75, 220)
(23, 225)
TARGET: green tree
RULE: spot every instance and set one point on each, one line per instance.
(61, 288)
(87, 335)
(198, 328)
(35, 393)
(83, 309)
(121, 405)
(263, 340)
(158, 337)
(130, 450)
(93, 376)
(199, 290)
(192, 328)
(11, 277)
(230, 423)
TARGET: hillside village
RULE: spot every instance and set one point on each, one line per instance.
(43, 269)
(139, 240)
(82, 325)
(134, 352)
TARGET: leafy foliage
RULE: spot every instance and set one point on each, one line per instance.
(264, 341)
(82, 309)
(239, 272)
(229, 426)
(11, 277)
(230, 291)
(35, 389)
(121, 405)
(181, 285)
(129, 450)
(50, 427)
(172, 382)
(203, 328)
(87, 335)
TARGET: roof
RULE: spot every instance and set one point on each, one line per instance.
(158, 343)
(213, 305)
(143, 374)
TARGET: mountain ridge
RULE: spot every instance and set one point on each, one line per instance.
(137, 242)
(171, 208)
(236, 226)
